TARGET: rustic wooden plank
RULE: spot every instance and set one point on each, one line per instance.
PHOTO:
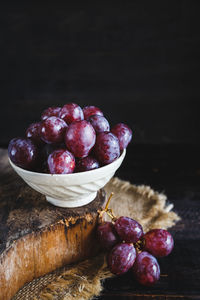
(37, 237)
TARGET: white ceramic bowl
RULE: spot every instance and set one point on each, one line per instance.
(70, 190)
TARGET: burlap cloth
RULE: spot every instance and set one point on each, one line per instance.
(83, 280)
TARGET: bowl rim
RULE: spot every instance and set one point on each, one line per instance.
(71, 174)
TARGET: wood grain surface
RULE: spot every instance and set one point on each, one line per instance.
(37, 237)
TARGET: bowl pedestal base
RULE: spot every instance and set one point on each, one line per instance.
(71, 201)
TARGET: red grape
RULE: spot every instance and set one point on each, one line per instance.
(123, 133)
(128, 229)
(23, 153)
(99, 123)
(80, 138)
(107, 235)
(146, 269)
(86, 164)
(91, 110)
(158, 242)
(71, 112)
(121, 258)
(33, 133)
(52, 130)
(47, 149)
(50, 112)
(106, 149)
(61, 162)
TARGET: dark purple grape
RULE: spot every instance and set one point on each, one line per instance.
(91, 110)
(121, 258)
(80, 138)
(107, 235)
(128, 229)
(50, 112)
(33, 133)
(123, 133)
(23, 153)
(158, 242)
(52, 130)
(47, 149)
(86, 164)
(71, 112)
(146, 269)
(106, 149)
(61, 162)
(99, 123)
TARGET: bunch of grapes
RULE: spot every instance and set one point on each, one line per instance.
(130, 248)
(69, 139)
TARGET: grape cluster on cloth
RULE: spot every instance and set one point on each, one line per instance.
(129, 248)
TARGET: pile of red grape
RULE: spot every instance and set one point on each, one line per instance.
(69, 139)
(129, 248)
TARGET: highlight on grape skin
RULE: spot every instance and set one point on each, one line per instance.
(121, 258)
(80, 138)
(99, 123)
(146, 269)
(128, 229)
(123, 133)
(71, 112)
(86, 164)
(52, 130)
(50, 112)
(158, 242)
(107, 235)
(106, 148)
(61, 162)
(23, 152)
(91, 110)
(33, 133)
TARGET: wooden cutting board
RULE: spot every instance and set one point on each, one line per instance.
(37, 237)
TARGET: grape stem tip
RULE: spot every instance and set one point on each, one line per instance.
(109, 210)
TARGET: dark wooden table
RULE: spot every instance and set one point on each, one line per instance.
(174, 170)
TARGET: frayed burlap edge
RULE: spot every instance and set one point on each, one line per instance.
(141, 203)
(84, 280)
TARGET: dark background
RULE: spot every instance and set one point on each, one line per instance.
(137, 60)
